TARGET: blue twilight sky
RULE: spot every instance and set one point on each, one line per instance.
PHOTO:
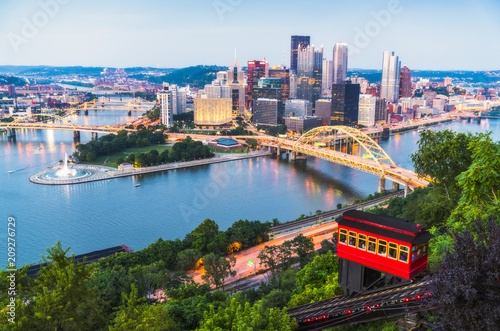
(426, 34)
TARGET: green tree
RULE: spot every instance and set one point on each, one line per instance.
(148, 278)
(62, 297)
(218, 268)
(187, 258)
(245, 317)
(480, 183)
(303, 247)
(134, 315)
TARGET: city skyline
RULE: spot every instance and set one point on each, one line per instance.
(424, 34)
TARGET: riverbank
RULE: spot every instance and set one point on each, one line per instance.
(105, 173)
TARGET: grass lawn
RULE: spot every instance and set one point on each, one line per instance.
(234, 151)
(110, 160)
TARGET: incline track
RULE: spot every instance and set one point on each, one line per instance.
(364, 307)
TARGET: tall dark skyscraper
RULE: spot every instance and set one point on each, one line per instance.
(345, 104)
(405, 90)
(270, 88)
(298, 42)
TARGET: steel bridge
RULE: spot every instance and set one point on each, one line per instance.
(345, 146)
(28, 122)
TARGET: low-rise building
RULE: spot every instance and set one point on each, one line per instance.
(212, 111)
(303, 123)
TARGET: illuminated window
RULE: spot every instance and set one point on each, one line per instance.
(343, 237)
(403, 253)
(352, 239)
(362, 241)
(372, 245)
(393, 251)
(382, 247)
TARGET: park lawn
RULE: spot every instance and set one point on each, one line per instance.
(110, 160)
(234, 151)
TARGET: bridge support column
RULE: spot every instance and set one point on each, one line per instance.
(395, 186)
(278, 151)
(76, 136)
(86, 112)
(94, 135)
(381, 185)
(129, 113)
(407, 189)
(293, 157)
(11, 134)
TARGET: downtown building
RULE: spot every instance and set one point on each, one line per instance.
(298, 108)
(309, 74)
(298, 43)
(324, 110)
(366, 112)
(255, 71)
(340, 59)
(327, 77)
(405, 89)
(266, 111)
(345, 104)
(391, 71)
(166, 99)
(212, 111)
(269, 89)
(237, 87)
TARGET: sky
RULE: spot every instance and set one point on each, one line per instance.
(425, 34)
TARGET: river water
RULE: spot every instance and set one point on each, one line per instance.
(102, 214)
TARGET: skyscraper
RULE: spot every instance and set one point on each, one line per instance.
(166, 104)
(405, 90)
(236, 82)
(270, 88)
(391, 67)
(340, 56)
(253, 76)
(309, 73)
(327, 77)
(298, 42)
(367, 107)
(345, 104)
(284, 74)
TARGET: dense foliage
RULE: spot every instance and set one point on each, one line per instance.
(273, 130)
(112, 143)
(466, 289)
(11, 80)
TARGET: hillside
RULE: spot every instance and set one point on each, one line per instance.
(196, 76)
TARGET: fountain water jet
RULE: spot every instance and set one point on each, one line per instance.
(65, 172)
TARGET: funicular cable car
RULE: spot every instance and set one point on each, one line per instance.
(378, 249)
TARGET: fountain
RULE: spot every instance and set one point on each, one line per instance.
(65, 172)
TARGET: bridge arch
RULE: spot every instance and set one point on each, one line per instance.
(374, 151)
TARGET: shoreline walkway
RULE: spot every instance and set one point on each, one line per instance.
(111, 173)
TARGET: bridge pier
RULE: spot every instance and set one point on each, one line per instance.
(381, 185)
(76, 136)
(94, 136)
(293, 157)
(406, 189)
(129, 113)
(395, 186)
(278, 151)
(11, 134)
(86, 112)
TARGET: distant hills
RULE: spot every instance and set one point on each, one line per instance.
(8, 80)
(196, 76)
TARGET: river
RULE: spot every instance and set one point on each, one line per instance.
(102, 214)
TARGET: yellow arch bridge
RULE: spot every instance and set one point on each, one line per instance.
(346, 146)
